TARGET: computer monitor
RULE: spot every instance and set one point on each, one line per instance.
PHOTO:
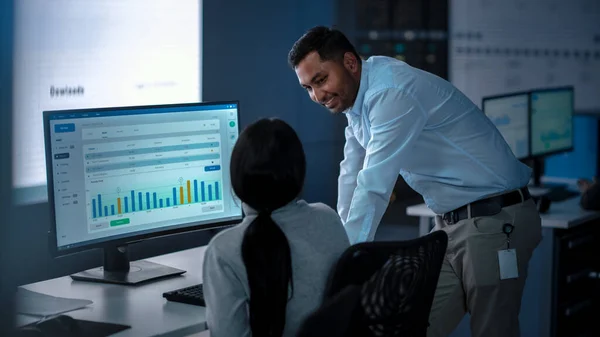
(510, 114)
(551, 124)
(125, 174)
(551, 121)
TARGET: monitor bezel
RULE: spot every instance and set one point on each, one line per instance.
(527, 94)
(545, 90)
(193, 226)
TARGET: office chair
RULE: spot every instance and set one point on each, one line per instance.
(380, 289)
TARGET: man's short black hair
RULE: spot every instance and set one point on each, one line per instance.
(331, 44)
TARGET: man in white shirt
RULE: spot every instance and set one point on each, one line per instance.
(402, 120)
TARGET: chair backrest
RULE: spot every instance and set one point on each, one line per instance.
(398, 281)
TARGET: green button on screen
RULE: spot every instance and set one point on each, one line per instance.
(119, 222)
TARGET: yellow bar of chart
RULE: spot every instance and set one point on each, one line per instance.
(189, 192)
(119, 206)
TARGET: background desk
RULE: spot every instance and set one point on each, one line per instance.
(142, 307)
(565, 214)
(561, 296)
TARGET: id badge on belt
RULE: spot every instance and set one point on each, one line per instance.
(507, 258)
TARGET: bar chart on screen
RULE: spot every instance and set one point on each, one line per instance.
(131, 201)
(149, 198)
(132, 179)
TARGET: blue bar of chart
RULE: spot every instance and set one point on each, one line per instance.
(186, 192)
(100, 206)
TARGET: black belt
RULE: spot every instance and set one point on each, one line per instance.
(487, 207)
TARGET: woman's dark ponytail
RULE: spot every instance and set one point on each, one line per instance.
(266, 254)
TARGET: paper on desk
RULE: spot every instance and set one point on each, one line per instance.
(23, 320)
(31, 303)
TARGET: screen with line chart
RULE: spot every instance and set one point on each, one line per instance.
(551, 121)
(510, 114)
(123, 172)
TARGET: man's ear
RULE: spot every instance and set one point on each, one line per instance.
(350, 62)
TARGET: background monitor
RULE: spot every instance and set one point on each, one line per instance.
(551, 121)
(120, 175)
(510, 114)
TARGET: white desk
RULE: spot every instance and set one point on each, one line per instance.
(141, 307)
(565, 214)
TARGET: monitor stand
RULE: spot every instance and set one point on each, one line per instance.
(537, 165)
(538, 189)
(118, 270)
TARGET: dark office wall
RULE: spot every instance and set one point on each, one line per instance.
(248, 61)
(245, 49)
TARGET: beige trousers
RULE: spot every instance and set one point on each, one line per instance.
(470, 277)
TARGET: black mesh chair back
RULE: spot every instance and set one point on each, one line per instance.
(389, 284)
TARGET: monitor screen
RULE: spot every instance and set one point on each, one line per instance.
(551, 121)
(119, 173)
(510, 114)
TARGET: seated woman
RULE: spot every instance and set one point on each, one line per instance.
(264, 276)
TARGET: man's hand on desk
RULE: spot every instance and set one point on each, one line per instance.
(590, 194)
(584, 184)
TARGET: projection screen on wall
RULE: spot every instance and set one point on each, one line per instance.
(97, 53)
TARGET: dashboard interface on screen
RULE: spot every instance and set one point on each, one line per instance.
(551, 121)
(510, 114)
(130, 171)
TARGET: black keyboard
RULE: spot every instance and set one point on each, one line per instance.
(191, 295)
(561, 194)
